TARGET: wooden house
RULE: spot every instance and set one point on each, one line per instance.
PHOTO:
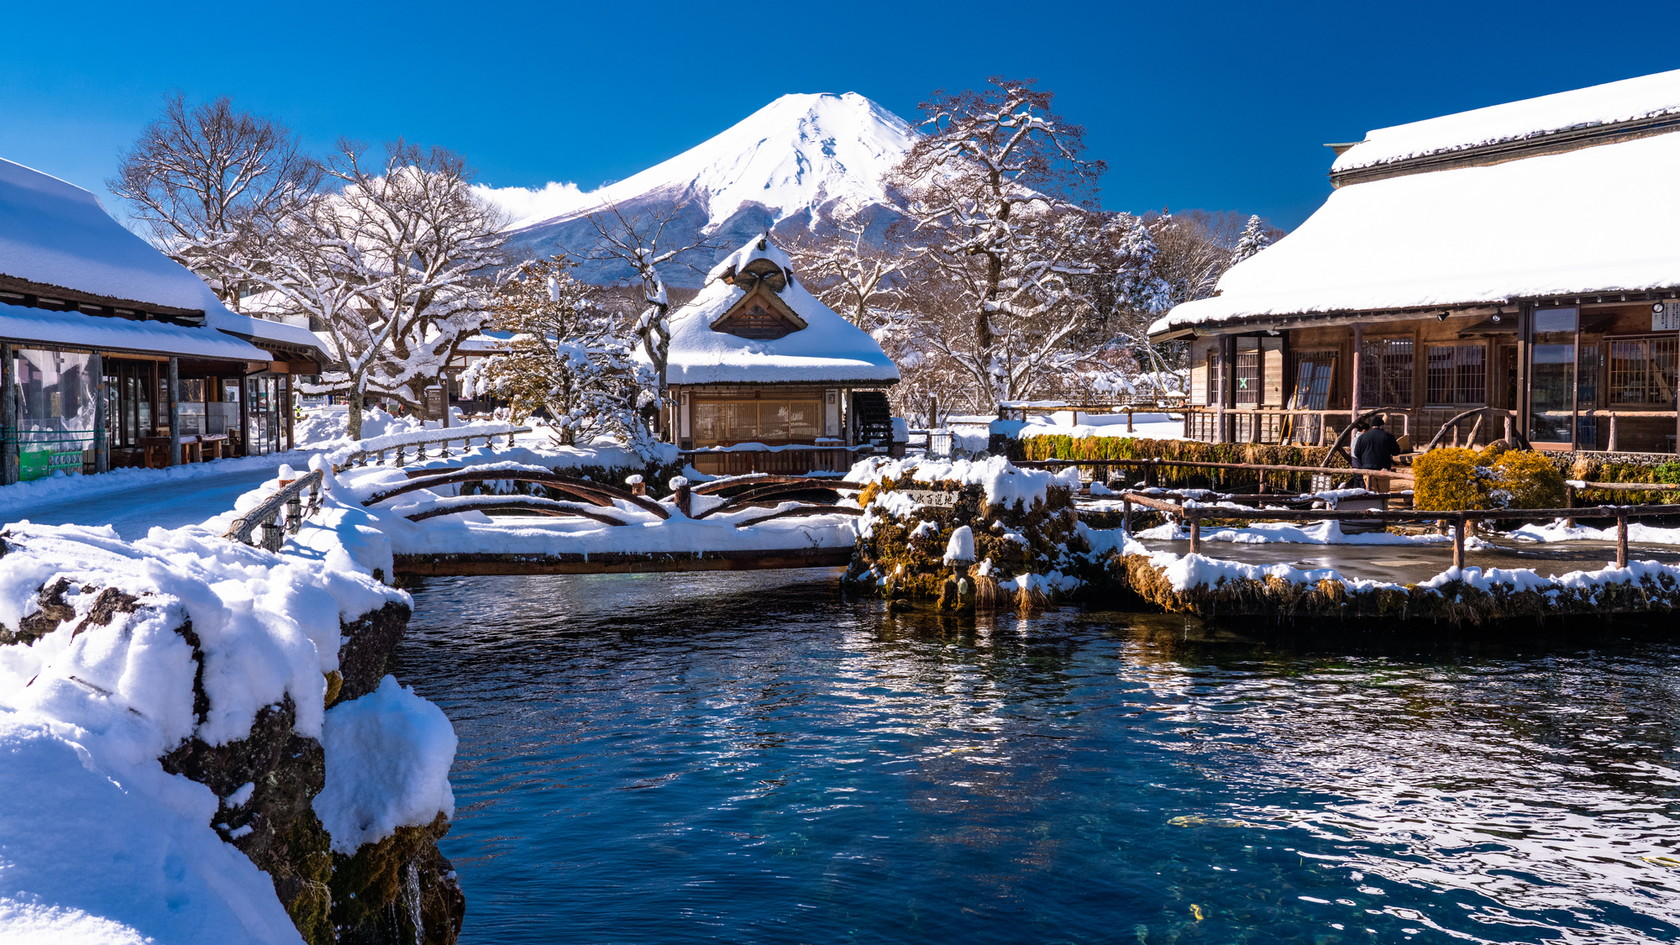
(763, 377)
(1505, 272)
(111, 354)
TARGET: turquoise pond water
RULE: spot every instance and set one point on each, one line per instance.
(760, 758)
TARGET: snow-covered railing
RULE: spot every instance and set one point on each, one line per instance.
(1191, 514)
(378, 449)
(280, 514)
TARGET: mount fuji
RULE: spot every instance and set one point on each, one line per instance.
(796, 164)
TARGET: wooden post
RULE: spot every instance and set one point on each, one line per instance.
(1193, 518)
(1458, 542)
(684, 497)
(1569, 503)
(174, 394)
(1621, 538)
(101, 415)
(1125, 516)
(1356, 365)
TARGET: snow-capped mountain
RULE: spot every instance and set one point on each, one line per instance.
(798, 162)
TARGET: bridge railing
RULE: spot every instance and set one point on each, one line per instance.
(284, 512)
(279, 515)
(398, 445)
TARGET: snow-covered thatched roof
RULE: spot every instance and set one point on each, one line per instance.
(55, 236)
(1614, 103)
(1590, 221)
(826, 349)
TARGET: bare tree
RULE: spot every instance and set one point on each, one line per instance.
(995, 191)
(393, 269)
(849, 273)
(210, 182)
(643, 244)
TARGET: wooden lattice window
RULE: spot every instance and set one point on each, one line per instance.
(1386, 369)
(1455, 375)
(1215, 379)
(756, 322)
(1642, 371)
(1248, 378)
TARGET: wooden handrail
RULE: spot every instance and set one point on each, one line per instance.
(289, 499)
(446, 436)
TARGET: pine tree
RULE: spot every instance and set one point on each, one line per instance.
(1254, 239)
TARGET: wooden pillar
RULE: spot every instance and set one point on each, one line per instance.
(1356, 364)
(1227, 388)
(101, 415)
(1621, 538)
(174, 395)
(1525, 352)
(245, 414)
(9, 471)
(291, 410)
(1458, 542)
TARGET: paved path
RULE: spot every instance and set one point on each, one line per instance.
(133, 501)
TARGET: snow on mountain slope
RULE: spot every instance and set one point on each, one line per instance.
(799, 161)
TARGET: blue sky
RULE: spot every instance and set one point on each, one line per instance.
(1223, 106)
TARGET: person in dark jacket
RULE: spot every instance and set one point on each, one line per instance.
(1376, 448)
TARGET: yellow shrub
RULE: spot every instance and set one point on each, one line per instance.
(1449, 478)
(1530, 479)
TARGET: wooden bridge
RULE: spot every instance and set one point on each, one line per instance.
(729, 524)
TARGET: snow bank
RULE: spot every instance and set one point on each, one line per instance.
(100, 843)
(388, 757)
(1324, 533)
(1559, 531)
(102, 847)
(1001, 482)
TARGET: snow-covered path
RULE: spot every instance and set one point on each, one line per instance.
(134, 500)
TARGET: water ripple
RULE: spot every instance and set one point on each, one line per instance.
(729, 758)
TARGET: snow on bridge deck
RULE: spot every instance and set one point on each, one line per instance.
(516, 542)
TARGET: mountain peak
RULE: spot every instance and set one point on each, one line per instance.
(804, 159)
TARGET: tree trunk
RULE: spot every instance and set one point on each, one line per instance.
(353, 419)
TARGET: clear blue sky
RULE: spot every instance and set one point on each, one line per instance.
(1223, 106)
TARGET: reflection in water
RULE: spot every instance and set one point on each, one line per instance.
(729, 758)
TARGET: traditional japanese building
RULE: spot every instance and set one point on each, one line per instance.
(763, 377)
(113, 355)
(1512, 271)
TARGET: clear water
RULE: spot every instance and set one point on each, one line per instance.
(758, 758)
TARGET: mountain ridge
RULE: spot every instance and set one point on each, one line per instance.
(795, 164)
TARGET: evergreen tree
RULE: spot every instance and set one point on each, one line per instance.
(1254, 239)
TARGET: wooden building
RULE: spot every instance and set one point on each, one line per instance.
(1505, 272)
(113, 355)
(763, 377)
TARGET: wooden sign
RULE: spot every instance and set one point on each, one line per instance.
(930, 497)
(1665, 316)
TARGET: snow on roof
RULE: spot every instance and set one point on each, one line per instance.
(121, 334)
(829, 348)
(757, 248)
(56, 233)
(1628, 100)
(1594, 220)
